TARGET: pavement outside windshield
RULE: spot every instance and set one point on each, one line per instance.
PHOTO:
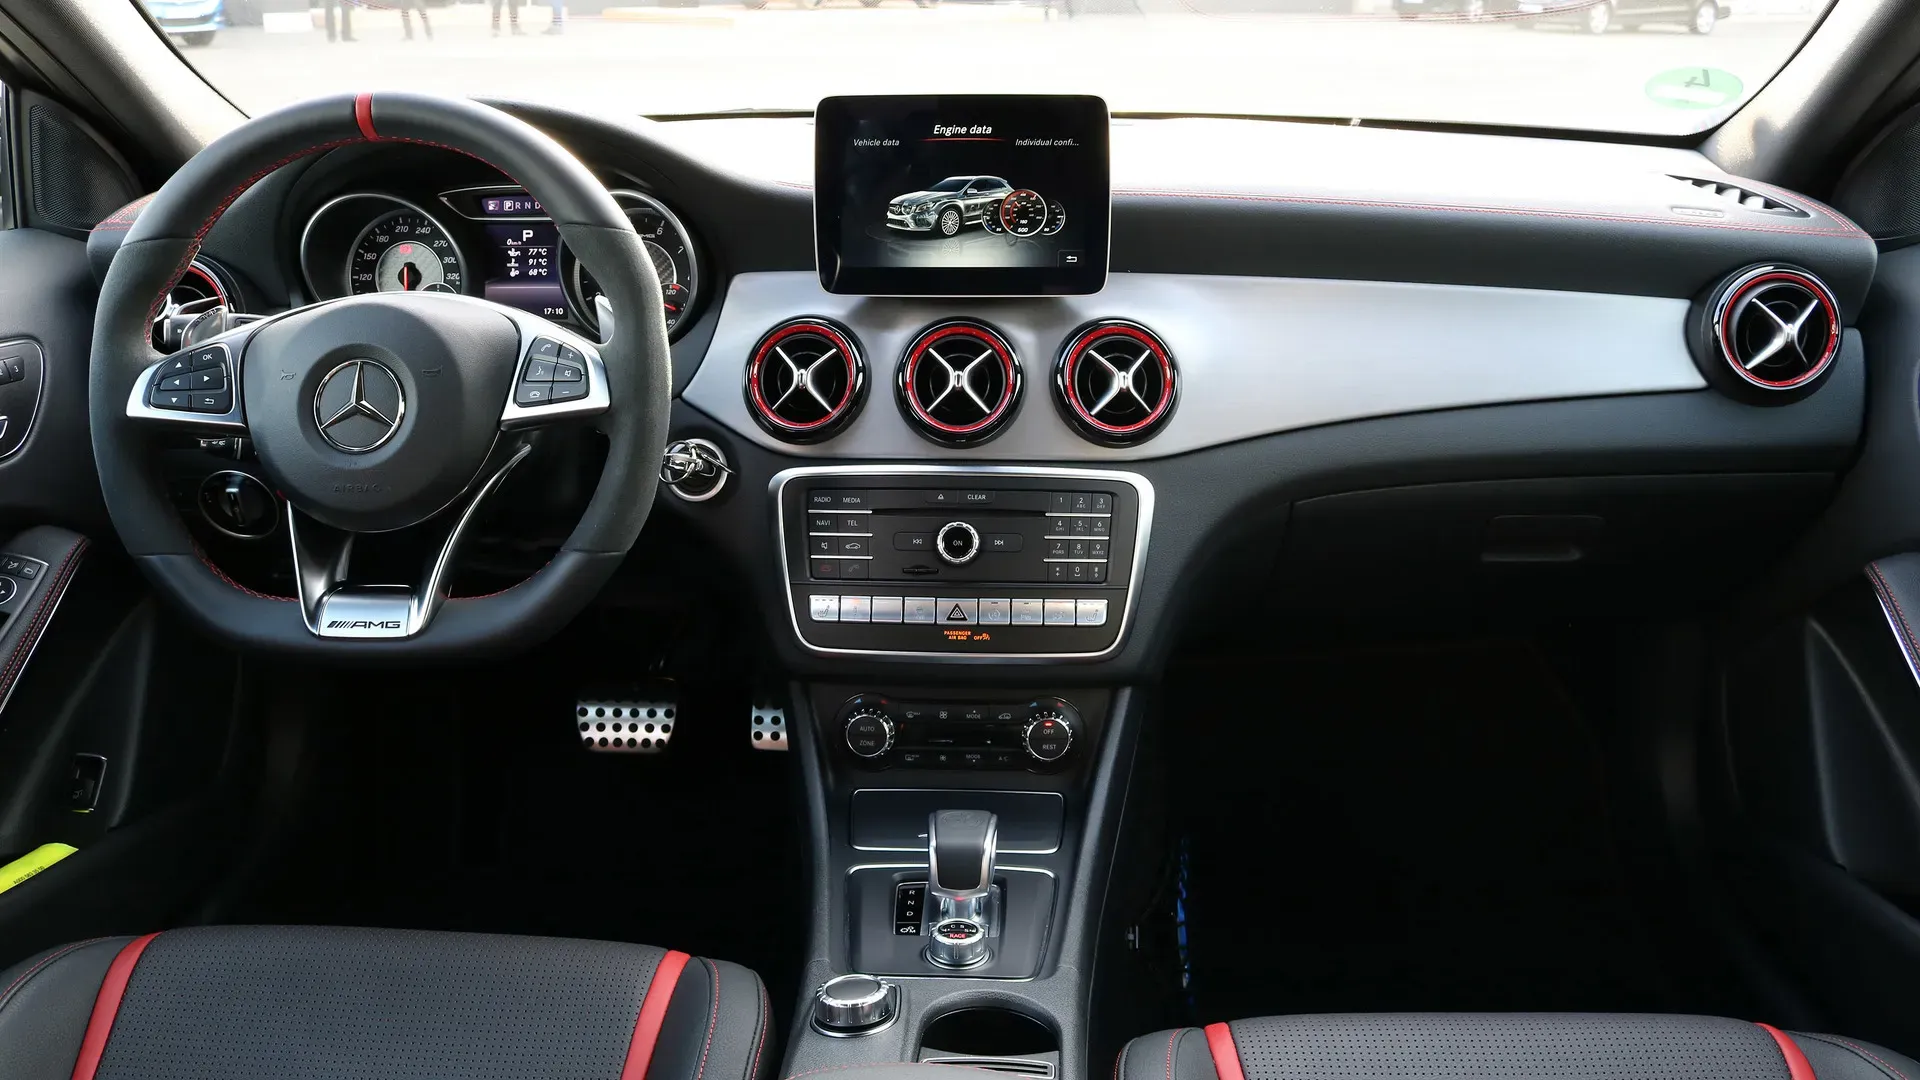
(1176, 55)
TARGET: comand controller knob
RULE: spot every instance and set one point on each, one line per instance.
(1048, 735)
(854, 1005)
(957, 542)
(869, 732)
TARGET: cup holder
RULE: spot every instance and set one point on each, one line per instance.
(998, 1039)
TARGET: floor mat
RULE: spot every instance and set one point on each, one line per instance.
(1406, 830)
(464, 801)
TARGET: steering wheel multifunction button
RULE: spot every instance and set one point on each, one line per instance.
(555, 372)
(957, 542)
(197, 381)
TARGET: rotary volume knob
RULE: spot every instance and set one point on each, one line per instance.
(1048, 736)
(869, 732)
(957, 542)
(855, 1005)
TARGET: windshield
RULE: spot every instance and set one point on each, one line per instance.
(1668, 67)
(951, 183)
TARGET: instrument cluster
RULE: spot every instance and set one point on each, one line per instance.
(492, 241)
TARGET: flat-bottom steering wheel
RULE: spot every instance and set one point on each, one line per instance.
(381, 412)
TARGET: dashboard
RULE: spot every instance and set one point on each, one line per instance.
(1345, 370)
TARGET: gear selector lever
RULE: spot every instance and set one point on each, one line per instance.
(961, 845)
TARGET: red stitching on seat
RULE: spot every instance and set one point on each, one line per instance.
(1171, 1040)
(653, 1014)
(714, 1020)
(1875, 1057)
(106, 1006)
(766, 1010)
(1798, 1067)
(42, 613)
(7, 994)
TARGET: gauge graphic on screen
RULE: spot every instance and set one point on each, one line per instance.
(1024, 213)
(405, 251)
(990, 219)
(1056, 218)
(669, 249)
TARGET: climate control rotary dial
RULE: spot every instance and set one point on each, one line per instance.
(869, 732)
(1048, 735)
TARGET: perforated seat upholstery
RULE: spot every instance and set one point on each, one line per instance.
(315, 1003)
(1503, 1046)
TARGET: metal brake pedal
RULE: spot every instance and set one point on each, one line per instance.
(769, 730)
(626, 727)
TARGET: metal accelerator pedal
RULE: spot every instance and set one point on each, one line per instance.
(627, 726)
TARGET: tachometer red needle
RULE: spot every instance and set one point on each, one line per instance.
(403, 278)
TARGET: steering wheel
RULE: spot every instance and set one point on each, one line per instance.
(381, 412)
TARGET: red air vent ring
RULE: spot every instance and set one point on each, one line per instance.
(974, 369)
(1146, 370)
(1748, 288)
(802, 353)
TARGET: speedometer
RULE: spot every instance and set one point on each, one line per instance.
(668, 247)
(405, 251)
(1024, 213)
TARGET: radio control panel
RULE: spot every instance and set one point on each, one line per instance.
(938, 561)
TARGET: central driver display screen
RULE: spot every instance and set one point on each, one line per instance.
(960, 195)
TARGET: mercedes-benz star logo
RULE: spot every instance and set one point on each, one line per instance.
(359, 406)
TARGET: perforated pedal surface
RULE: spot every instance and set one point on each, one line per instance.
(769, 730)
(626, 727)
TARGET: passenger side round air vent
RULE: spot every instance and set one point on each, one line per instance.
(1768, 332)
(1115, 382)
(959, 383)
(805, 380)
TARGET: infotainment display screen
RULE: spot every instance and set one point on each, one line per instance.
(961, 195)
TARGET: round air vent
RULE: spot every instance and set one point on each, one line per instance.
(959, 382)
(1115, 382)
(1770, 331)
(805, 380)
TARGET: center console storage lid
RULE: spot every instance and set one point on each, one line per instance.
(890, 819)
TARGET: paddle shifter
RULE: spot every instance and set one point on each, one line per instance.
(960, 895)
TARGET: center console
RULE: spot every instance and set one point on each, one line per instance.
(1001, 563)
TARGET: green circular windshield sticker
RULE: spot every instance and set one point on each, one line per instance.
(1694, 88)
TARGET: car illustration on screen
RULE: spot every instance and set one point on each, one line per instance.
(948, 206)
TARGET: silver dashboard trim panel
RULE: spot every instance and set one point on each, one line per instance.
(1258, 355)
(1143, 490)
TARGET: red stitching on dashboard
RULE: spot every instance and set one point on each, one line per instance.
(1312, 200)
(41, 614)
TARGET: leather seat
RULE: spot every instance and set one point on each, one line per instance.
(1503, 1046)
(306, 1003)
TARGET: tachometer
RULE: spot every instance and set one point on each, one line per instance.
(669, 248)
(405, 251)
(1056, 218)
(1024, 213)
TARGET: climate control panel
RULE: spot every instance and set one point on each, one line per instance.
(1007, 562)
(1033, 734)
